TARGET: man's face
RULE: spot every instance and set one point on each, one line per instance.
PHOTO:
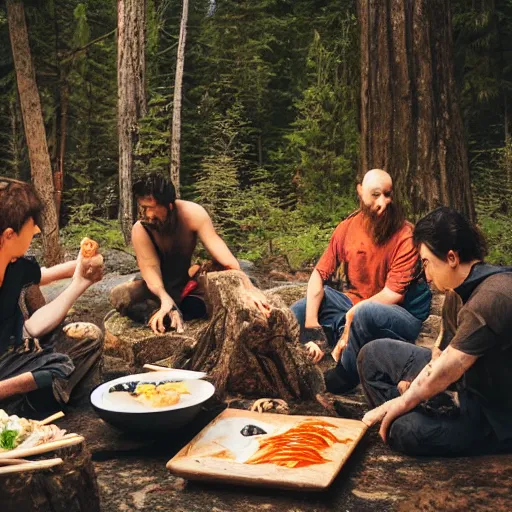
(376, 196)
(443, 274)
(153, 215)
(17, 244)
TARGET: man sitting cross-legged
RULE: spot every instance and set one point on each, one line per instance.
(39, 362)
(381, 297)
(164, 241)
(472, 356)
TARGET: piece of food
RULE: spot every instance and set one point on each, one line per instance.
(88, 248)
(297, 447)
(252, 430)
(154, 394)
(16, 432)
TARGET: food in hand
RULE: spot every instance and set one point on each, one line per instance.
(153, 394)
(89, 248)
(299, 446)
(92, 263)
(16, 432)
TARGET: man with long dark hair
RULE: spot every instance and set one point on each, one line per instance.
(164, 240)
(410, 386)
(381, 296)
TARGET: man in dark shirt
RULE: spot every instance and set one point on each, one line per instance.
(408, 385)
(30, 359)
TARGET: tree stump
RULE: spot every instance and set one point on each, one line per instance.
(244, 352)
(69, 487)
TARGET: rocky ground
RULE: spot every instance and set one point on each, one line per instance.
(132, 475)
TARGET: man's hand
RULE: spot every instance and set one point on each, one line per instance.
(260, 301)
(343, 341)
(386, 413)
(89, 270)
(156, 322)
(314, 351)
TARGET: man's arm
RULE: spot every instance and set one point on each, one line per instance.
(436, 377)
(314, 296)
(212, 242)
(220, 252)
(51, 315)
(18, 385)
(385, 296)
(57, 272)
(149, 266)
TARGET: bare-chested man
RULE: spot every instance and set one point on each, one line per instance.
(164, 240)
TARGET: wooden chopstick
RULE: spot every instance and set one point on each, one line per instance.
(31, 466)
(52, 418)
(42, 448)
(12, 462)
(156, 368)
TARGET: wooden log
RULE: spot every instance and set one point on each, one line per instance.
(68, 487)
(244, 352)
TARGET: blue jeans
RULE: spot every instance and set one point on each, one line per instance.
(371, 321)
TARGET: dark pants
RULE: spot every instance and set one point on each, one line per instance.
(134, 300)
(371, 321)
(65, 367)
(382, 364)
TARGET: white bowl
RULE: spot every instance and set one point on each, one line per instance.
(141, 417)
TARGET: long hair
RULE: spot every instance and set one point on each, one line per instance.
(156, 186)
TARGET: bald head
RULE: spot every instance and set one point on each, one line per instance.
(375, 192)
(377, 178)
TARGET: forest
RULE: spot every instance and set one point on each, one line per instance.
(263, 111)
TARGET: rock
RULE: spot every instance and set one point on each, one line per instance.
(136, 344)
(288, 293)
(119, 261)
(436, 305)
(429, 331)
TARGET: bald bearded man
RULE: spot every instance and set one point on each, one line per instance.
(384, 294)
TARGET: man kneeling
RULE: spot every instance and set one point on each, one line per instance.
(473, 354)
(164, 240)
(39, 362)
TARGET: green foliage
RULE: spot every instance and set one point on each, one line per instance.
(82, 223)
(498, 231)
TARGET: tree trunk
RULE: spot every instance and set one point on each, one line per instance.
(131, 64)
(410, 119)
(176, 111)
(35, 135)
(70, 486)
(244, 353)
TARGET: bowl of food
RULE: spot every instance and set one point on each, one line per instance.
(152, 401)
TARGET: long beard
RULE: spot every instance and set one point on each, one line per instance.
(167, 226)
(382, 228)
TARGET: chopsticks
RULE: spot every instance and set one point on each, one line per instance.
(43, 448)
(20, 466)
(52, 418)
(156, 368)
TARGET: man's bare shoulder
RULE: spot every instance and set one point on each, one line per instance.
(192, 214)
(139, 234)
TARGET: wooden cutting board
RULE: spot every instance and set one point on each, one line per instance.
(212, 455)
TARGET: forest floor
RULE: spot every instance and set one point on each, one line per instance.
(132, 475)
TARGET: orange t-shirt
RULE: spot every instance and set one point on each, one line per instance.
(369, 267)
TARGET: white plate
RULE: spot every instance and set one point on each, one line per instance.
(200, 391)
